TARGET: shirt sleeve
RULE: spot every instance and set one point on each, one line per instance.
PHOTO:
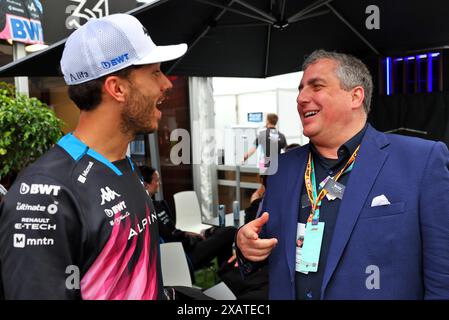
(167, 229)
(40, 241)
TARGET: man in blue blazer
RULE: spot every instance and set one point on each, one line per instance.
(355, 214)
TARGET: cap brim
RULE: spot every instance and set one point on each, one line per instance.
(164, 53)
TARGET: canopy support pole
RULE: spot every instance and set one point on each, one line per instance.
(21, 83)
(358, 34)
(306, 10)
(227, 8)
(256, 10)
(200, 36)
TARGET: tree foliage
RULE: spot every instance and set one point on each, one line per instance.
(28, 128)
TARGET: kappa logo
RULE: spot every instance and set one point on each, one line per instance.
(107, 195)
(39, 189)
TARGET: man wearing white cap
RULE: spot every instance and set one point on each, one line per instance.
(78, 223)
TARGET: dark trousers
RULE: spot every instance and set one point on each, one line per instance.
(253, 287)
(218, 244)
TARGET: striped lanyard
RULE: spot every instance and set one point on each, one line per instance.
(310, 181)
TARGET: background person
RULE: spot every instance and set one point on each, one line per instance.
(255, 285)
(268, 138)
(201, 249)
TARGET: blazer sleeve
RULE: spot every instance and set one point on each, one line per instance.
(434, 219)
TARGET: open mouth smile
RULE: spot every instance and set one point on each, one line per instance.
(309, 114)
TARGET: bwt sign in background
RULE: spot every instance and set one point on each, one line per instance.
(20, 20)
(23, 20)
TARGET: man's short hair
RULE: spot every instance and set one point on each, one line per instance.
(272, 118)
(87, 95)
(351, 72)
(147, 173)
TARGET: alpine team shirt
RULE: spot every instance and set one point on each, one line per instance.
(76, 226)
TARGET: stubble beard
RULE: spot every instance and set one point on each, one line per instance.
(134, 118)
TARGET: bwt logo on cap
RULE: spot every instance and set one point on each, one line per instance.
(116, 61)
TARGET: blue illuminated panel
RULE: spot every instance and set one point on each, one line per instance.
(412, 74)
(389, 73)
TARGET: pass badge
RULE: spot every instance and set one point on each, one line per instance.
(334, 189)
(311, 248)
(300, 232)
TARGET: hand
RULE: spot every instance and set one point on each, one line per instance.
(251, 246)
(232, 259)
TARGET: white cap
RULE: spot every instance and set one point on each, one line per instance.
(106, 45)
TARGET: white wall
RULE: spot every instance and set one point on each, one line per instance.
(225, 116)
(264, 101)
(290, 125)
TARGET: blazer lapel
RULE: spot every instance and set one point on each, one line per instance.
(292, 189)
(366, 169)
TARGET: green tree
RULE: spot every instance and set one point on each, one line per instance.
(28, 128)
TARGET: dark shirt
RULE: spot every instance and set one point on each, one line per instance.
(308, 286)
(251, 211)
(168, 231)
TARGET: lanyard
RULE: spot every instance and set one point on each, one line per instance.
(310, 182)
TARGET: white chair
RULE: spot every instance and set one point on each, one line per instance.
(188, 212)
(220, 292)
(175, 269)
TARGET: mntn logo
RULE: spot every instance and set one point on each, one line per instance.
(19, 240)
(26, 30)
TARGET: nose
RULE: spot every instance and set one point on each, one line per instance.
(303, 96)
(166, 84)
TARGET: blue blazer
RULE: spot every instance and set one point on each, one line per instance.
(408, 240)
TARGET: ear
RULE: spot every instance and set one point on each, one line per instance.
(357, 95)
(117, 88)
